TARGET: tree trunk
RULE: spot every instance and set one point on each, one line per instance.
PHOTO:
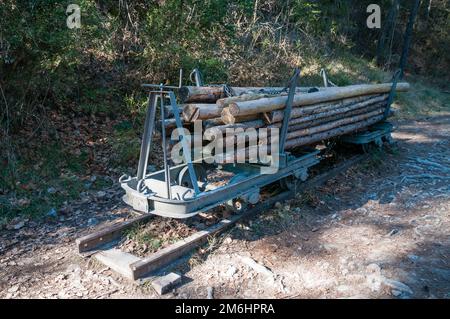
(194, 112)
(227, 118)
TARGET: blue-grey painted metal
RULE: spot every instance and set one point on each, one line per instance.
(147, 136)
(145, 191)
(375, 134)
(188, 207)
(196, 77)
(164, 146)
(288, 109)
(186, 148)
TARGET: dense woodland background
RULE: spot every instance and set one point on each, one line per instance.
(71, 102)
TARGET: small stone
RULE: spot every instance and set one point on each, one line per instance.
(231, 271)
(228, 240)
(396, 293)
(374, 269)
(393, 232)
(397, 285)
(374, 282)
(164, 284)
(52, 213)
(210, 292)
(19, 225)
(13, 289)
(92, 221)
(101, 194)
(51, 190)
(257, 267)
(361, 210)
(278, 205)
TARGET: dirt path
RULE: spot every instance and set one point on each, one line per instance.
(380, 231)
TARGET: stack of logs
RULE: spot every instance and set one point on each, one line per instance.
(317, 113)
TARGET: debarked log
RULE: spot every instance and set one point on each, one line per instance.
(243, 125)
(305, 140)
(296, 127)
(331, 94)
(319, 110)
(228, 118)
(194, 112)
(201, 94)
(225, 102)
(336, 112)
(331, 125)
(210, 94)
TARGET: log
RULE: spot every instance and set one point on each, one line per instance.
(228, 118)
(250, 153)
(277, 116)
(305, 140)
(343, 117)
(230, 136)
(244, 125)
(337, 111)
(218, 121)
(270, 90)
(296, 127)
(169, 111)
(201, 94)
(331, 125)
(213, 122)
(331, 94)
(194, 112)
(225, 102)
(210, 94)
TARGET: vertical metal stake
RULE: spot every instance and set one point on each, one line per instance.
(288, 109)
(147, 136)
(163, 134)
(186, 148)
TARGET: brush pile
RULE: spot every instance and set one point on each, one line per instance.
(317, 113)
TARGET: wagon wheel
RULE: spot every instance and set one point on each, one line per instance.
(237, 206)
(184, 179)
